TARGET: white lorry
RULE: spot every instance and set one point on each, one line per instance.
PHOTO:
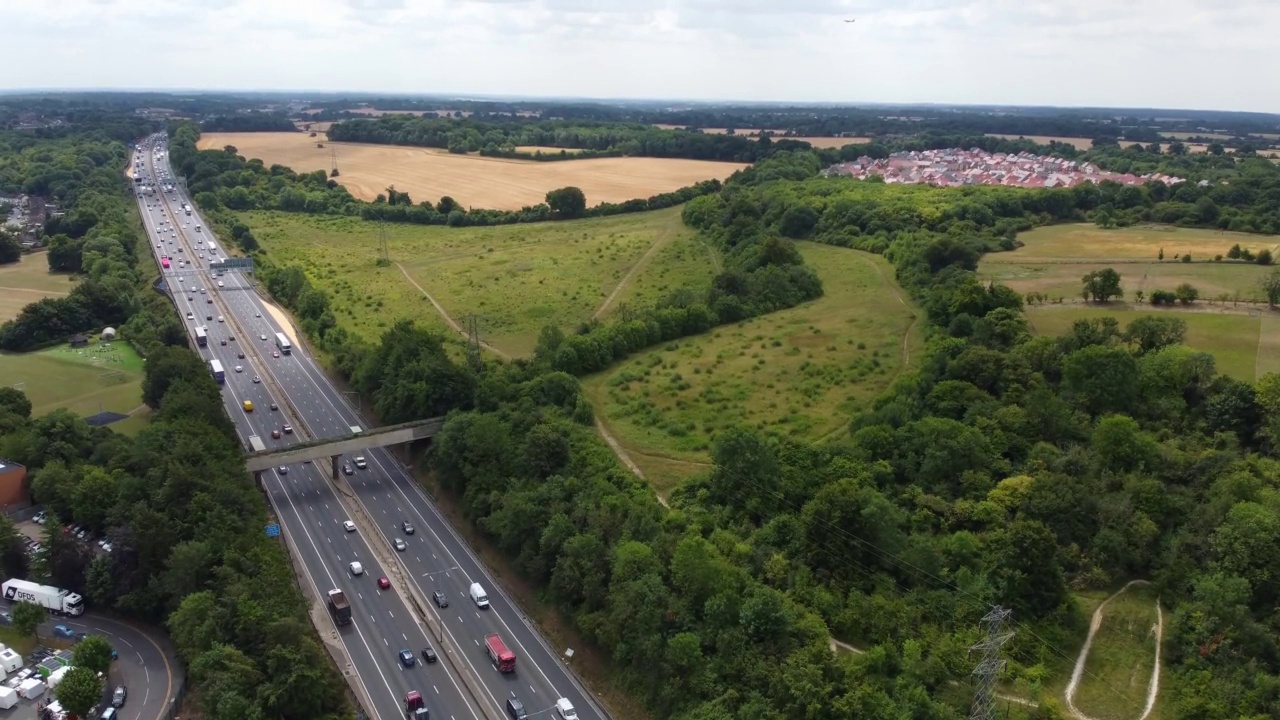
(48, 597)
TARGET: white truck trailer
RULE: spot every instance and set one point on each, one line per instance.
(48, 597)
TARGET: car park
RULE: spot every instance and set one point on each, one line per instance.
(349, 526)
(119, 696)
(384, 583)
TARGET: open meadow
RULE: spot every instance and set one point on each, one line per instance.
(799, 372)
(481, 182)
(87, 381)
(1117, 670)
(1234, 339)
(27, 281)
(1054, 258)
(515, 278)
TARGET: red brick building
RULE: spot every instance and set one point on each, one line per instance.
(13, 485)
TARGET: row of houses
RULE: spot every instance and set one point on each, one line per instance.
(954, 167)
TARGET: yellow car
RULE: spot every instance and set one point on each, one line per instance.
(248, 406)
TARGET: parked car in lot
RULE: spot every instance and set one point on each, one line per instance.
(119, 696)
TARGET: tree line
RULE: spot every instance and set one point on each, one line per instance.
(501, 137)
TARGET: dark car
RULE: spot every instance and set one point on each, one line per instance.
(407, 659)
(515, 709)
(408, 527)
(428, 655)
(439, 599)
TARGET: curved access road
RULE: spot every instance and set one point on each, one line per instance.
(146, 664)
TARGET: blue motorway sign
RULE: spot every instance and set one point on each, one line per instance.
(273, 530)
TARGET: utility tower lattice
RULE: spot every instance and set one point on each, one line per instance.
(383, 253)
(473, 342)
(988, 669)
(333, 161)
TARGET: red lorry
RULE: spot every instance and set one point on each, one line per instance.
(414, 707)
(503, 659)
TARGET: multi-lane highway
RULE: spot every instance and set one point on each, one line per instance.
(312, 515)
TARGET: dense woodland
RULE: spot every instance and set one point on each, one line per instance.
(1008, 469)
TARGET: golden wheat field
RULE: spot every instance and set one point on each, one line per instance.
(429, 174)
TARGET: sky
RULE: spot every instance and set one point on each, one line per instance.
(1195, 54)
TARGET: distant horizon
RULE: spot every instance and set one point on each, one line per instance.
(299, 95)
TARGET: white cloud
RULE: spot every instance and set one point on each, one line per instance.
(1163, 53)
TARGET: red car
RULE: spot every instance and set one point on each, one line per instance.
(384, 583)
(275, 434)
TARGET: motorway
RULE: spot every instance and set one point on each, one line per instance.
(311, 514)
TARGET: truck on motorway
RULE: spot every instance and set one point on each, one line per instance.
(218, 373)
(282, 343)
(503, 659)
(340, 607)
(202, 337)
(186, 207)
(256, 444)
(57, 600)
(414, 707)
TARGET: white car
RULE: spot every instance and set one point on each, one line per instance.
(190, 316)
(220, 318)
(261, 337)
(349, 526)
(357, 569)
(239, 369)
(219, 283)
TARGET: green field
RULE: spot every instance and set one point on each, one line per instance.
(799, 372)
(1231, 338)
(1054, 258)
(86, 381)
(27, 281)
(515, 278)
(1118, 669)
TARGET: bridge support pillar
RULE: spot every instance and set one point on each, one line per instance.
(334, 460)
(257, 479)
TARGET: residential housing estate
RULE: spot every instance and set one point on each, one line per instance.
(955, 167)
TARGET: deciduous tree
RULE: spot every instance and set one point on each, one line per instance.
(1102, 285)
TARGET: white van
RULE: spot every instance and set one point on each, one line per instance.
(478, 597)
(565, 710)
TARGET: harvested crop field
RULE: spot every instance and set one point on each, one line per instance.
(480, 182)
(27, 281)
(1076, 142)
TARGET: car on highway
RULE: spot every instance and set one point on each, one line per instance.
(283, 469)
(256, 379)
(349, 526)
(428, 654)
(239, 356)
(239, 368)
(275, 434)
(208, 301)
(384, 583)
(119, 696)
(208, 317)
(274, 406)
(408, 527)
(223, 341)
(263, 338)
(288, 429)
(257, 315)
(275, 353)
(232, 338)
(202, 291)
(439, 599)
(400, 545)
(191, 316)
(220, 319)
(357, 569)
(346, 469)
(360, 462)
(407, 659)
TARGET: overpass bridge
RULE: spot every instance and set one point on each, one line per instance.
(260, 458)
